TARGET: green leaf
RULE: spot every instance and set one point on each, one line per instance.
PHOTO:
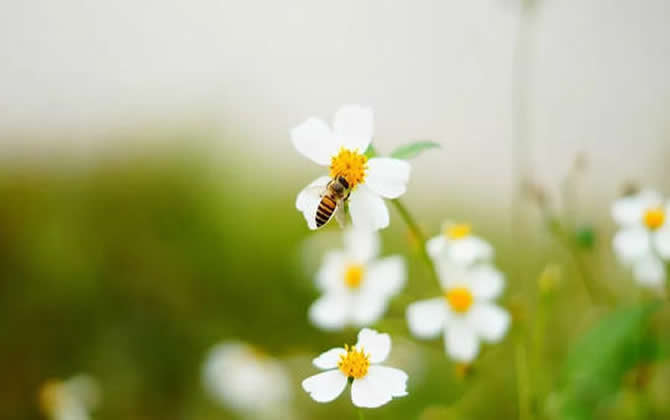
(370, 152)
(596, 364)
(411, 150)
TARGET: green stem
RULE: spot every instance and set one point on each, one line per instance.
(418, 234)
(360, 414)
(523, 384)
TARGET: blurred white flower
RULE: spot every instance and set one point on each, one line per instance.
(643, 241)
(466, 314)
(72, 399)
(342, 151)
(356, 286)
(457, 244)
(243, 379)
(372, 385)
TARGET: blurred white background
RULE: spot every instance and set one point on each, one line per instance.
(76, 72)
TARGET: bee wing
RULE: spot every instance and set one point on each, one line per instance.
(340, 215)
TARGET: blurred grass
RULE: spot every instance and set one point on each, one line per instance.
(130, 270)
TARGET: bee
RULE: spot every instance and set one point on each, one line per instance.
(333, 197)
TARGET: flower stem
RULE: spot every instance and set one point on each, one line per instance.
(360, 414)
(419, 236)
(522, 379)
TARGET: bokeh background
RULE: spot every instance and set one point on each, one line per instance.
(148, 183)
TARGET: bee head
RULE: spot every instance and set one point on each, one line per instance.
(342, 180)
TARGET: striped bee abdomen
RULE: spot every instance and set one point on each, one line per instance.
(325, 210)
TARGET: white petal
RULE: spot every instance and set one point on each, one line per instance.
(378, 387)
(367, 309)
(661, 240)
(388, 177)
(460, 341)
(385, 277)
(649, 271)
(353, 127)
(308, 200)
(329, 359)
(631, 244)
(331, 311)
(468, 250)
(376, 344)
(489, 321)
(314, 139)
(362, 244)
(367, 209)
(325, 386)
(453, 274)
(629, 210)
(425, 318)
(486, 282)
(436, 246)
(330, 277)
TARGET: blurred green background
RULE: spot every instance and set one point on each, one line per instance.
(131, 270)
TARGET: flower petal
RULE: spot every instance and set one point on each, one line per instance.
(325, 386)
(329, 359)
(649, 271)
(489, 321)
(460, 340)
(388, 177)
(330, 276)
(308, 200)
(378, 387)
(631, 244)
(367, 309)
(426, 318)
(377, 345)
(367, 209)
(468, 250)
(436, 246)
(331, 311)
(314, 139)
(487, 282)
(353, 127)
(629, 211)
(661, 239)
(385, 277)
(362, 244)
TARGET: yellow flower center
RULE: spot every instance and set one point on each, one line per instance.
(457, 231)
(349, 164)
(654, 218)
(353, 275)
(50, 396)
(354, 363)
(459, 298)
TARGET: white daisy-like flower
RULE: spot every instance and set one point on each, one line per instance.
(466, 314)
(372, 385)
(342, 149)
(72, 399)
(240, 377)
(643, 241)
(356, 286)
(457, 244)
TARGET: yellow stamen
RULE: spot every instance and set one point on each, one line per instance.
(654, 218)
(350, 164)
(353, 275)
(50, 396)
(457, 231)
(459, 299)
(354, 363)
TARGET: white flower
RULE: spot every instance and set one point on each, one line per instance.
(372, 385)
(466, 314)
(644, 238)
(238, 376)
(356, 286)
(72, 399)
(457, 244)
(342, 151)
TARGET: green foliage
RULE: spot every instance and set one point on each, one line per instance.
(597, 363)
(585, 236)
(413, 149)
